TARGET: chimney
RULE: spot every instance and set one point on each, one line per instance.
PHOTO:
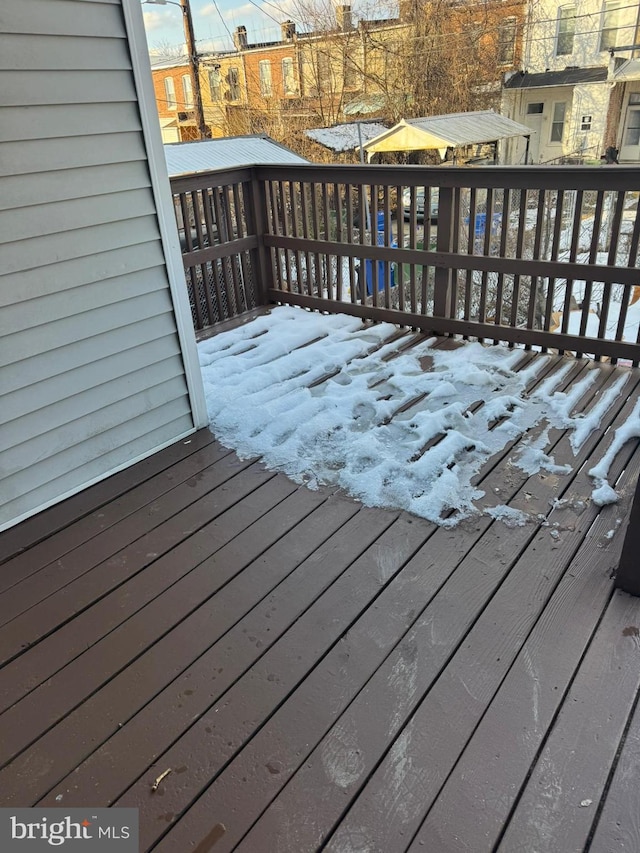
(343, 15)
(288, 30)
(240, 40)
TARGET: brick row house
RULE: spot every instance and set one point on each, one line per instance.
(343, 67)
(579, 85)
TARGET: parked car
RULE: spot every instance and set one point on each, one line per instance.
(406, 203)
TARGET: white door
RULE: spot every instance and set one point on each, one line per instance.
(535, 123)
(534, 119)
(630, 145)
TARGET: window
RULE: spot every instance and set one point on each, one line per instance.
(566, 30)
(187, 91)
(233, 79)
(215, 84)
(610, 24)
(535, 109)
(557, 125)
(264, 67)
(288, 77)
(506, 41)
(170, 93)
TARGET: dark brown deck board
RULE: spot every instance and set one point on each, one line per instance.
(439, 729)
(618, 824)
(277, 665)
(217, 796)
(117, 628)
(84, 576)
(475, 578)
(320, 675)
(569, 778)
(496, 761)
(98, 717)
(267, 596)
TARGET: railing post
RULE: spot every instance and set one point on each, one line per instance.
(255, 199)
(628, 573)
(444, 243)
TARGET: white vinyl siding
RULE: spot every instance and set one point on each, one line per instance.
(93, 375)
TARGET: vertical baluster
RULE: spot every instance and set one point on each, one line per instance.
(522, 228)
(211, 279)
(573, 254)
(339, 238)
(471, 243)
(612, 259)
(593, 256)
(533, 316)
(240, 232)
(327, 236)
(504, 229)
(353, 275)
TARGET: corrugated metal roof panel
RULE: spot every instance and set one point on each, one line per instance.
(452, 130)
(469, 128)
(227, 153)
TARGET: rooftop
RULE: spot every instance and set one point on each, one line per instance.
(226, 153)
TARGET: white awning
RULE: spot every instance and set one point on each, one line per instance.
(627, 72)
(446, 131)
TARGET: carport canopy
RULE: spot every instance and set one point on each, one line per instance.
(446, 131)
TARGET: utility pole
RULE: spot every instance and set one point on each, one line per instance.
(194, 65)
(193, 58)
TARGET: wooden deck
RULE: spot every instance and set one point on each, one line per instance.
(321, 675)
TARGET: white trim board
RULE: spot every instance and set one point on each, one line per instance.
(164, 205)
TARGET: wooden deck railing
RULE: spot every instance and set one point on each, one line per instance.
(539, 256)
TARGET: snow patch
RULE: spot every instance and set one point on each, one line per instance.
(383, 428)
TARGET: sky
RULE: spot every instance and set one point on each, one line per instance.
(370, 429)
(214, 22)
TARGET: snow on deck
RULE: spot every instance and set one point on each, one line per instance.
(387, 428)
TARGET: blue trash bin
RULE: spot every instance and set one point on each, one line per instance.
(368, 264)
(481, 223)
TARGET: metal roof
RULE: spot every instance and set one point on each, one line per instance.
(446, 131)
(226, 153)
(567, 77)
(344, 137)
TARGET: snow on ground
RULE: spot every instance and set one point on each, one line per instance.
(349, 431)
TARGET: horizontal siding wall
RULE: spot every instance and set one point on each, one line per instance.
(92, 371)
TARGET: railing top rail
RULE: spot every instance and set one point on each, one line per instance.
(512, 177)
(210, 178)
(606, 177)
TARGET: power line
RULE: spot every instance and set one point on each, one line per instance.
(224, 23)
(260, 9)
